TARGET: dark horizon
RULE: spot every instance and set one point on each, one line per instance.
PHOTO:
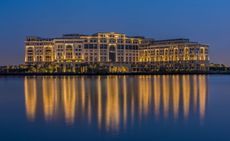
(205, 21)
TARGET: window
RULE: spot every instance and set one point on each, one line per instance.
(103, 46)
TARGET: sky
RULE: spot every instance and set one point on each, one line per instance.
(204, 21)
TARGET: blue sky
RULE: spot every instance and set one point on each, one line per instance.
(206, 21)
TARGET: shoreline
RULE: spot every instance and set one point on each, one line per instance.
(130, 73)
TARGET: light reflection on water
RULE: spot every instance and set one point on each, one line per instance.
(115, 102)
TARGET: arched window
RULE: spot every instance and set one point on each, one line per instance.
(69, 52)
(112, 54)
(48, 54)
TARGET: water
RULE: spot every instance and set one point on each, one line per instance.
(115, 108)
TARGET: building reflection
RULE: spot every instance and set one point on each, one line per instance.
(30, 90)
(157, 95)
(176, 96)
(115, 102)
(49, 97)
(186, 95)
(69, 99)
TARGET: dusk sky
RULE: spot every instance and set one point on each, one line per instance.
(206, 21)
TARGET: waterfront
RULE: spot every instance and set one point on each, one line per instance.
(157, 107)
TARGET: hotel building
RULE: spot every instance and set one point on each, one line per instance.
(114, 49)
(177, 54)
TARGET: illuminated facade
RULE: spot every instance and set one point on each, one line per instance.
(96, 48)
(117, 49)
(178, 54)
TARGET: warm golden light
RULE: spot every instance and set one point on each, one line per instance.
(30, 87)
(186, 95)
(165, 96)
(157, 96)
(112, 101)
(49, 97)
(99, 101)
(124, 101)
(144, 95)
(128, 53)
(112, 104)
(176, 95)
(69, 99)
(202, 96)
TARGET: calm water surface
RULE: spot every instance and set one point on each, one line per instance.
(85, 108)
